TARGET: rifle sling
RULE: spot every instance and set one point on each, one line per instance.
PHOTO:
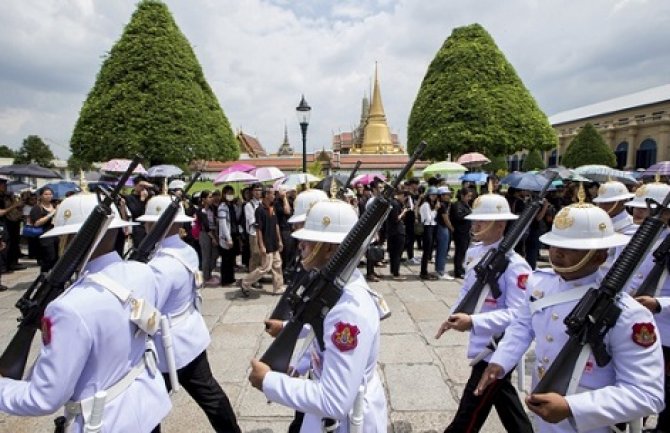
(558, 298)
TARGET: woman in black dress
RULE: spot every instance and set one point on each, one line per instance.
(42, 216)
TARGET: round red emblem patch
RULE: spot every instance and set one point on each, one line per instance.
(46, 331)
(345, 336)
(644, 334)
(521, 281)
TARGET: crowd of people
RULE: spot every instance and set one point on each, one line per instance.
(288, 234)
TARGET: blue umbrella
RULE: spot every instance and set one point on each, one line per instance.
(61, 188)
(477, 177)
(527, 181)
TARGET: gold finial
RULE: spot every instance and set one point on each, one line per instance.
(333, 188)
(581, 194)
(657, 177)
(83, 184)
(165, 186)
(490, 186)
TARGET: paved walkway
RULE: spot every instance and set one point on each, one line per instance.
(423, 377)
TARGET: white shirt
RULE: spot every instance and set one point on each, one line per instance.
(341, 368)
(627, 388)
(500, 311)
(92, 346)
(177, 299)
(427, 214)
(250, 216)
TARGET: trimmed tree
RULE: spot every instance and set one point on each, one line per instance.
(471, 99)
(151, 97)
(498, 165)
(588, 147)
(533, 161)
(34, 151)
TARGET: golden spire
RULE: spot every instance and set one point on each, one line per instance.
(490, 186)
(83, 184)
(657, 177)
(165, 186)
(581, 197)
(333, 189)
(376, 136)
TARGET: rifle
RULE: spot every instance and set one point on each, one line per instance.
(343, 190)
(661, 262)
(147, 247)
(596, 313)
(321, 289)
(49, 286)
(495, 261)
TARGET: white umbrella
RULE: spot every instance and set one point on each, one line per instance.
(268, 173)
(164, 170)
(295, 179)
(235, 176)
(603, 173)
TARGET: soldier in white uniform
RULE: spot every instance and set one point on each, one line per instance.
(490, 213)
(351, 338)
(612, 198)
(175, 265)
(626, 388)
(659, 304)
(89, 344)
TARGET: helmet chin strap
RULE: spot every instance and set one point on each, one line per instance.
(308, 261)
(488, 227)
(576, 267)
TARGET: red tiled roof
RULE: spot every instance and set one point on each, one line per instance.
(250, 145)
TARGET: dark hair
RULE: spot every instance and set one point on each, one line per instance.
(139, 178)
(256, 185)
(463, 192)
(204, 194)
(228, 188)
(45, 188)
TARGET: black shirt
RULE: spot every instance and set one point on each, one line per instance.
(266, 224)
(393, 226)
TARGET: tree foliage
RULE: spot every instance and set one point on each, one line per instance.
(533, 161)
(315, 167)
(151, 97)
(34, 151)
(588, 147)
(6, 152)
(498, 165)
(471, 99)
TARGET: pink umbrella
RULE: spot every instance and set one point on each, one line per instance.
(268, 173)
(365, 179)
(235, 176)
(473, 159)
(119, 165)
(239, 166)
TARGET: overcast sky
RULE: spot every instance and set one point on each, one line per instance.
(259, 56)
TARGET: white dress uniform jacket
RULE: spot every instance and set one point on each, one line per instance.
(627, 388)
(89, 345)
(501, 311)
(623, 223)
(351, 338)
(178, 299)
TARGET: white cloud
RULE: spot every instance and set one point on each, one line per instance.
(259, 56)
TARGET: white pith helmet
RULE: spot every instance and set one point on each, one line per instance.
(73, 212)
(327, 221)
(656, 190)
(583, 226)
(176, 184)
(303, 202)
(491, 207)
(612, 191)
(157, 205)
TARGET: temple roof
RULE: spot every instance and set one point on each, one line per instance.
(250, 145)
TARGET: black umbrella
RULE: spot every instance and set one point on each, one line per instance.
(29, 170)
(325, 183)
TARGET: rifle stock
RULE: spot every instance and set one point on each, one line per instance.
(48, 287)
(494, 262)
(596, 313)
(321, 289)
(148, 245)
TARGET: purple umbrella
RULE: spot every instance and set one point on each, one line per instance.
(661, 168)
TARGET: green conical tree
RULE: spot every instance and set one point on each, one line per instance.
(151, 97)
(588, 147)
(533, 161)
(471, 99)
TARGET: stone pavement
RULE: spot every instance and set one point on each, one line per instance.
(423, 377)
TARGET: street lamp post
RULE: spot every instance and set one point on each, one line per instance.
(302, 110)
